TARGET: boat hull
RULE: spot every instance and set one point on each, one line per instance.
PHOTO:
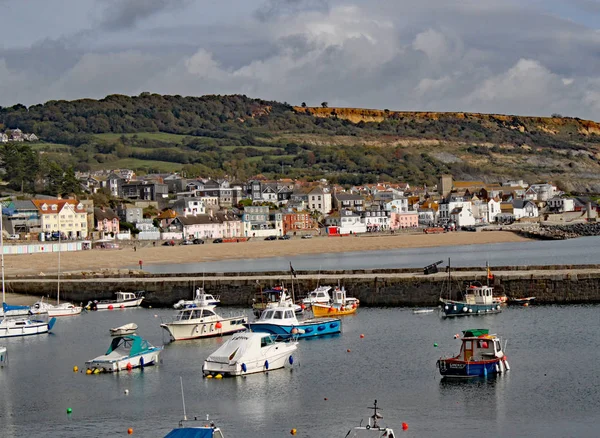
(453, 368)
(190, 329)
(30, 329)
(460, 308)
(321, 310)
(142, 360)
(64, 311)
(113, 305)
(252, 366)
(305, 329)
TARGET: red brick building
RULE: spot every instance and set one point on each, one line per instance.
(298, 221)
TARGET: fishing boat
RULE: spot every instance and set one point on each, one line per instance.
(125, 329)
(125, 353)
(372, 429)
(123, 300)
(282, 321)
(480, 355)
(20, 325)
(248, 353)
(476, 299)
(319, 295)
(269, 298)
(338, 306)
(202, 322)
(201, 299)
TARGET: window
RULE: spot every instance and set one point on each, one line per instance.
(289, 314)
(278, 314)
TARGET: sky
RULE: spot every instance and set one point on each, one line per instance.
(527, 57)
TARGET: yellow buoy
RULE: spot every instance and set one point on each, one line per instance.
(75, 368)
(293, 431)
(218, 376)
(96, 370)
(209, 376)
(88, 371)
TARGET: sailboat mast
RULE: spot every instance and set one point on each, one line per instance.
(2, 254)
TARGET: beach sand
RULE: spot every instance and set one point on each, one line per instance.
(98, 259)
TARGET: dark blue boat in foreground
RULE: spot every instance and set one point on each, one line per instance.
(480, 355)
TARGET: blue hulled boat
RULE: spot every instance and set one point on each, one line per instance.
(480, 355)
(282, 321)
(477, 300)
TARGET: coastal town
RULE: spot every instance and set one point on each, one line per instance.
(171, 208)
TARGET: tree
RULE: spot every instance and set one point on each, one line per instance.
(303, 105)
(324, 104)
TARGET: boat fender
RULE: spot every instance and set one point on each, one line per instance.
(465, 309)
(501, 366)
(244, 367)
(142, 362)
(367, 427)
(266, 364)
(454, 308)
(470, 310)
(445, 307)
(291, 360)
(506, 365)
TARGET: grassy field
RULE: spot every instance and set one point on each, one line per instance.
(134, 163)
(51, 147)
(159, 136)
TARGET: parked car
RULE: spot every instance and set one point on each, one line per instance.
(307, 236)
(284, 237)
(271, 238)
(186, 242)
(14, 237)
(198, 242)
(218, 240)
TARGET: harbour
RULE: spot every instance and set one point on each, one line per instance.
(326, 392)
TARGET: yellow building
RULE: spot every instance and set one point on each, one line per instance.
(67, 216)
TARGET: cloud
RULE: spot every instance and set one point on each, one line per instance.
(125, 14)
(482, 56)
(276, 9)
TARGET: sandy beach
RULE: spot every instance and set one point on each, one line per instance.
(98, 259)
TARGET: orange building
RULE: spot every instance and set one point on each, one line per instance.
(298, 221)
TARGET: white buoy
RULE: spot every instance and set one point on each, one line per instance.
(465, 309)
(126, 392)
(506, 365)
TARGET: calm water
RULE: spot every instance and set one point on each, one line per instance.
(583, 250)
(551, 391)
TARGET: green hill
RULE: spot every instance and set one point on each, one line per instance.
(240, 136)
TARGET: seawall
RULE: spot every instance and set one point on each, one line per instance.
(402, 287)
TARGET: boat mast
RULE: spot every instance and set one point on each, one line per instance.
(2, 254)
(449, 281)
(58, 275)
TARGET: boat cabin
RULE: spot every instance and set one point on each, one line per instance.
(478, 345)
(127, 296)
(339, 296)
(195, 313)
(279, 316)
(476, 293)
(319, 295)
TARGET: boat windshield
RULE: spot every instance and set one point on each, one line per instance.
(267, 315)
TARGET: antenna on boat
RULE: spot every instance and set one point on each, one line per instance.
(183, 398)
(376, 416)
(2, 254)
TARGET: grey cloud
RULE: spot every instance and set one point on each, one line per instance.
(273, 9)
(124, 14)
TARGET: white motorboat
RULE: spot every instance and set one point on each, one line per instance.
(125, 329)
(202, 322)
(275, 297)
(201, 299)
(23, 326)
(372, 429)
(125, 353)
(124, 299)
(249, 352)
(321, 296)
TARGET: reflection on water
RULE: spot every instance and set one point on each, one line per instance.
(573, 251)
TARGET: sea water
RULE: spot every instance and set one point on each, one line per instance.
(551, 390)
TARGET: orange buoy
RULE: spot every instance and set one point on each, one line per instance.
(348, 350)
(129, 366)
(362, 336)
(404, 426)
(129, 431)
(110, 307)
(218, 325)
(325, 399)
(331, 309)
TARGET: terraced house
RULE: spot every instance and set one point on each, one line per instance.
(67, 216)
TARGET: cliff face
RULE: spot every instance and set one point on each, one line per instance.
(549, 125)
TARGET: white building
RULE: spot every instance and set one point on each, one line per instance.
(189, 206)
(560, 205)
(462, 216)
(399, 205)
(540, 192)
(378, 220)
(456, 202)
(319, 199)
(524, 208)
(347, 221)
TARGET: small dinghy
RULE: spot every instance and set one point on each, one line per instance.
(126, 329)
